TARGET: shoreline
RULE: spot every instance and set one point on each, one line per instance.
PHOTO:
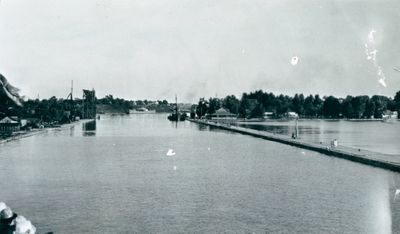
(380, 160)
(24, 134)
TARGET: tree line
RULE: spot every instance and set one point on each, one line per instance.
(45, 110)
(125, 105)
(60, 110)
(255, 104)
(250, 105)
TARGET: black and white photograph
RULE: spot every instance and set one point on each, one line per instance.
(199, 116)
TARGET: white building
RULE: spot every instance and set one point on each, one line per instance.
(291, 114)
(268, 115)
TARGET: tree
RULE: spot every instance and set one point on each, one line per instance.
(309, 109)
(283, 104)
(359, 104)
(202, 108)
(347, 107)
(331, 107)
(318, 104)
(380, 105)
(268, 102)
(213, 105)
(258, 111)
(231, 103)
(139, 103)
(109, 99)
(298, 104)
(396, 101)
(369, 109)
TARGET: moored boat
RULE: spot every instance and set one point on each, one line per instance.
(176, 115)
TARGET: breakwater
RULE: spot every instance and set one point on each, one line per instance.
(376, 159)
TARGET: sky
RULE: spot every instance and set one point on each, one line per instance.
(154, 49)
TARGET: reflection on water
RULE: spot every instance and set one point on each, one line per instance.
(121, 181)
(203, 127)
(89, 128)
(287, 130)
(174, 124)
(72, 130)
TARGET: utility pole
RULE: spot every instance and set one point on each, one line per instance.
(72, 111)
(176, 105)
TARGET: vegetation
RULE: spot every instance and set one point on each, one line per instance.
(255, 104)
(46, 111)
(111, 104)
(58, 111)
(251, 105)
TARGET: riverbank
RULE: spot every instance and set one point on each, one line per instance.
(36, 131)
(385, 161)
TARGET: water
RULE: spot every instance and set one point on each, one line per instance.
(115, 177)
(375, 136)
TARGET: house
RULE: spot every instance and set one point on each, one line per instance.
(390, 115)
(268, 115)
(223, 115)
(292, 115)
(9, 125)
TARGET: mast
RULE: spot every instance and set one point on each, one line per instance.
(72, 89)
(176, 104)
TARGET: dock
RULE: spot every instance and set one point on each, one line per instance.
(380, 160)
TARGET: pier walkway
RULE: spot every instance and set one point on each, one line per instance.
(385, 161)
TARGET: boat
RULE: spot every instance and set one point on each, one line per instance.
(176, 115)
(182, 116)
(173, 117)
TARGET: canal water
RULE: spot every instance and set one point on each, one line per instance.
(378, 136)
(115, 177)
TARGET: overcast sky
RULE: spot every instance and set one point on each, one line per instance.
(154, 49)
